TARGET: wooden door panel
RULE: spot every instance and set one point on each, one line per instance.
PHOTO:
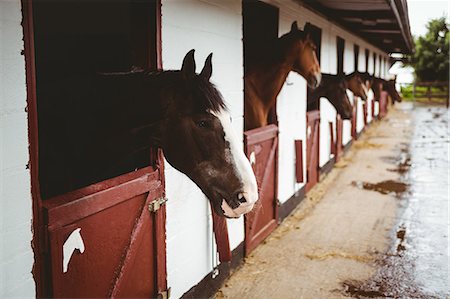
(383, 103)
(119, 257)
(365, 110)
(354, 118)
(339, 130)
(261, 148)
(312, 148)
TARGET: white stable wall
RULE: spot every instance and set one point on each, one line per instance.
(291, 110)
(16, 254)
(327, 114)
(291, 113)
(206, 26)
(291, 11)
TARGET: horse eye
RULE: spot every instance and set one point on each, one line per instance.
(202, 124)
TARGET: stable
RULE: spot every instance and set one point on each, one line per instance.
(143, 228)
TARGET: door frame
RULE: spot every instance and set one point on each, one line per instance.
(312, 116)
(252, 137)
(41, 267)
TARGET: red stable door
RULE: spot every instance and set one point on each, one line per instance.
(106, 238)
(354, 120)
(312, 148)
(261, 147)
(383, 104)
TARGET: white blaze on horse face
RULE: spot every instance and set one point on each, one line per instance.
(242, 168)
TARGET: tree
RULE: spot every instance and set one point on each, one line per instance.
(431, 58)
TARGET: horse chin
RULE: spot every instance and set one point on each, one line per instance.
(235, 213)
(347, 116)
(314, 80)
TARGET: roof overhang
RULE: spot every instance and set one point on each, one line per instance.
(383, 23)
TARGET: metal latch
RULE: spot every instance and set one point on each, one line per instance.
(164, 295)
(156, 204)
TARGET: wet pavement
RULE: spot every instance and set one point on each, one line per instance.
(376, 227)
(417, 263)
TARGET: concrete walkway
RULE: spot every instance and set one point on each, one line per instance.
(353, 236)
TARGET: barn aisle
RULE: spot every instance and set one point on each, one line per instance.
(376, 226)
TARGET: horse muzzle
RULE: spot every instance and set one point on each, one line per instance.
(242, 209)
(314, 80)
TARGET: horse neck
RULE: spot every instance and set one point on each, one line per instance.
(269, 76)
(142, 93)
(324, 88)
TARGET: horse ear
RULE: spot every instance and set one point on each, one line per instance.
(307, 27)
(207, 69)
(188, 67)
(294, 26)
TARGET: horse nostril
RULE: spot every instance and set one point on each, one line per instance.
(241, 198)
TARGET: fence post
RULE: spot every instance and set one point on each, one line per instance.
(414, 94)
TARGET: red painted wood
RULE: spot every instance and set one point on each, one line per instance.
(365, 106)
(133, 266)
(119, 257)
(354, 119)
(383, 104)
(312, 148)
(125, 252)
(332, 139)
(373, 109)
(261, 134)
(39, 238)
(221, 235)
(299, 161)
(262, 143)
(60, 215)
(339, 130)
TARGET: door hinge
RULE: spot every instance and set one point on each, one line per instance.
(164, 294)
(156, 204)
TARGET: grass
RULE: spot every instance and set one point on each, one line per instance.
(421, 94)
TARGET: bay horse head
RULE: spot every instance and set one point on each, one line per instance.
(355, 82)
(389, 86)
(198, 139)
(367, 79)
(334, 88)
(303, 52)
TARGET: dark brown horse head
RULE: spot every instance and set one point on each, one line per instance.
(337, 94)
(197, 138)
(303, 52)
(356, 84)
(389, 87)
(334, 88)
(367, 79)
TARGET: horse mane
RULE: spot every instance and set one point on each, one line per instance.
(207, 95)
(329, 81)
(272, 50)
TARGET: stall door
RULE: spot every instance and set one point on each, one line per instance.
(312, 148)
(354, 119)
(383, 103)
(365, 111)
(339, 130)
(104, 240)
(99, 235)
(261, 148)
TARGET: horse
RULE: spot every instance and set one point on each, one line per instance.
(389, 87)
(355, 82)
(294, 51)
(112, 129)
(333, 87)
(378, 85)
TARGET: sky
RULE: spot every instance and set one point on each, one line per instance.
(421, 11)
